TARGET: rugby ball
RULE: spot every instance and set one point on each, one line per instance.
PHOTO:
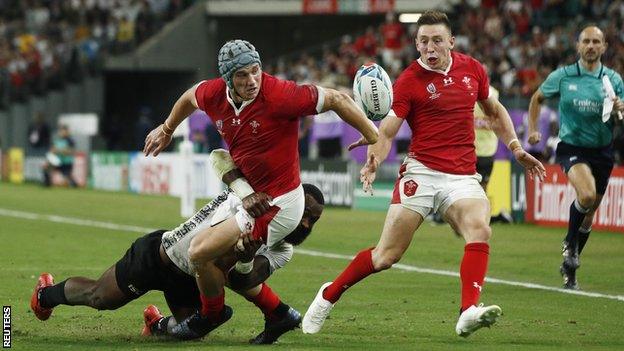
(372, 91)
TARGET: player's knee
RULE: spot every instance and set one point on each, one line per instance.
(587, 199)
(384, 260)
(194, 251)
(480, 231)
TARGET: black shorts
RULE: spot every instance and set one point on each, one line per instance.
(599, 160)
(484, 167)
(141, 269)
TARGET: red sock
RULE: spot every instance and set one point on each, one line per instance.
(212, 306)
(360, 268)
(472, 272)
(267, 301)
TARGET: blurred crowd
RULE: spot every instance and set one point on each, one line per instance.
(46, 43)
(519, 42)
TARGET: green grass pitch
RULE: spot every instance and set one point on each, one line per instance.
(393, 310)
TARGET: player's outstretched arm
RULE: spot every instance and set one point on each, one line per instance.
(504, 130)
(348, 111)
(160, 137)
(256, 204)
(534, 108)
(378, 152)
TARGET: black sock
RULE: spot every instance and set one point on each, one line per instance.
(53, 296)
(160, 328)
(281, 310)
(577, 215)
(582, 239)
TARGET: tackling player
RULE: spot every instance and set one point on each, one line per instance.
(258, 117)
(435, 95)
(159, 261)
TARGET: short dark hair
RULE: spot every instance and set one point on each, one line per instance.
(315, 192)
(434, 17)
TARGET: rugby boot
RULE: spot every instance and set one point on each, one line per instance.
(317, 312)
(569, 266)
(274, 329)
(151, 317)
(569, 278)
(570, 255)
(476, 317)
(42, 313)
(197, 326)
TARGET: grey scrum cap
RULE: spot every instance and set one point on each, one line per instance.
(234, 55)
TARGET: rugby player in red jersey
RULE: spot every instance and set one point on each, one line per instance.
(258, 117)
(436, 95)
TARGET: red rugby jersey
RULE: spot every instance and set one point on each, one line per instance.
(263, 136)
(438, 107)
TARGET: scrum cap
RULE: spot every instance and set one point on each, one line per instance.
(234, 55)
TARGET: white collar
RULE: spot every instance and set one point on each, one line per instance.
(445, 72)
(237, 110)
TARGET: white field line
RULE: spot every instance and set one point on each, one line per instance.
(404, 267)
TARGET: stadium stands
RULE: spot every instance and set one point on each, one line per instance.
(44, 44)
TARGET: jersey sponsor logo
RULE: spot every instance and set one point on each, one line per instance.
(236, 122)
(409, 188)
(586, 105)
(432, 90)
(572, 87)
(171, 237)
(254, 126)
(448, 81)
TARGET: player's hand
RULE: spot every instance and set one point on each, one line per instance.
(534, 137)
(360, 142)
(246, 247)
(368, 173)
(257, 204)
(156, 141)
(533, 166)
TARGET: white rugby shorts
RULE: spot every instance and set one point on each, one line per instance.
(283, 217)
(423, 190)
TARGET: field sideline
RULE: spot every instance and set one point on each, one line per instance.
(403, 308)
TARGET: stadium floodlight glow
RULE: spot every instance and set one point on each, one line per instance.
(409, 17)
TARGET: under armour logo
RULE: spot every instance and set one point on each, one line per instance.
(448, 81)
(476, 285)
(236, 122)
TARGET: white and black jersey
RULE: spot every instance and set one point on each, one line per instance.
(176, 242)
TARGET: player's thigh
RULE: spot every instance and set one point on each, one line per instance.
(213, 242)
(398, 230)
(582, 180)
(470, 218)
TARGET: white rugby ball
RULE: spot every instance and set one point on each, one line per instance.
(372, 91)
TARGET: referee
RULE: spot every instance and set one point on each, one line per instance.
(585, 151)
